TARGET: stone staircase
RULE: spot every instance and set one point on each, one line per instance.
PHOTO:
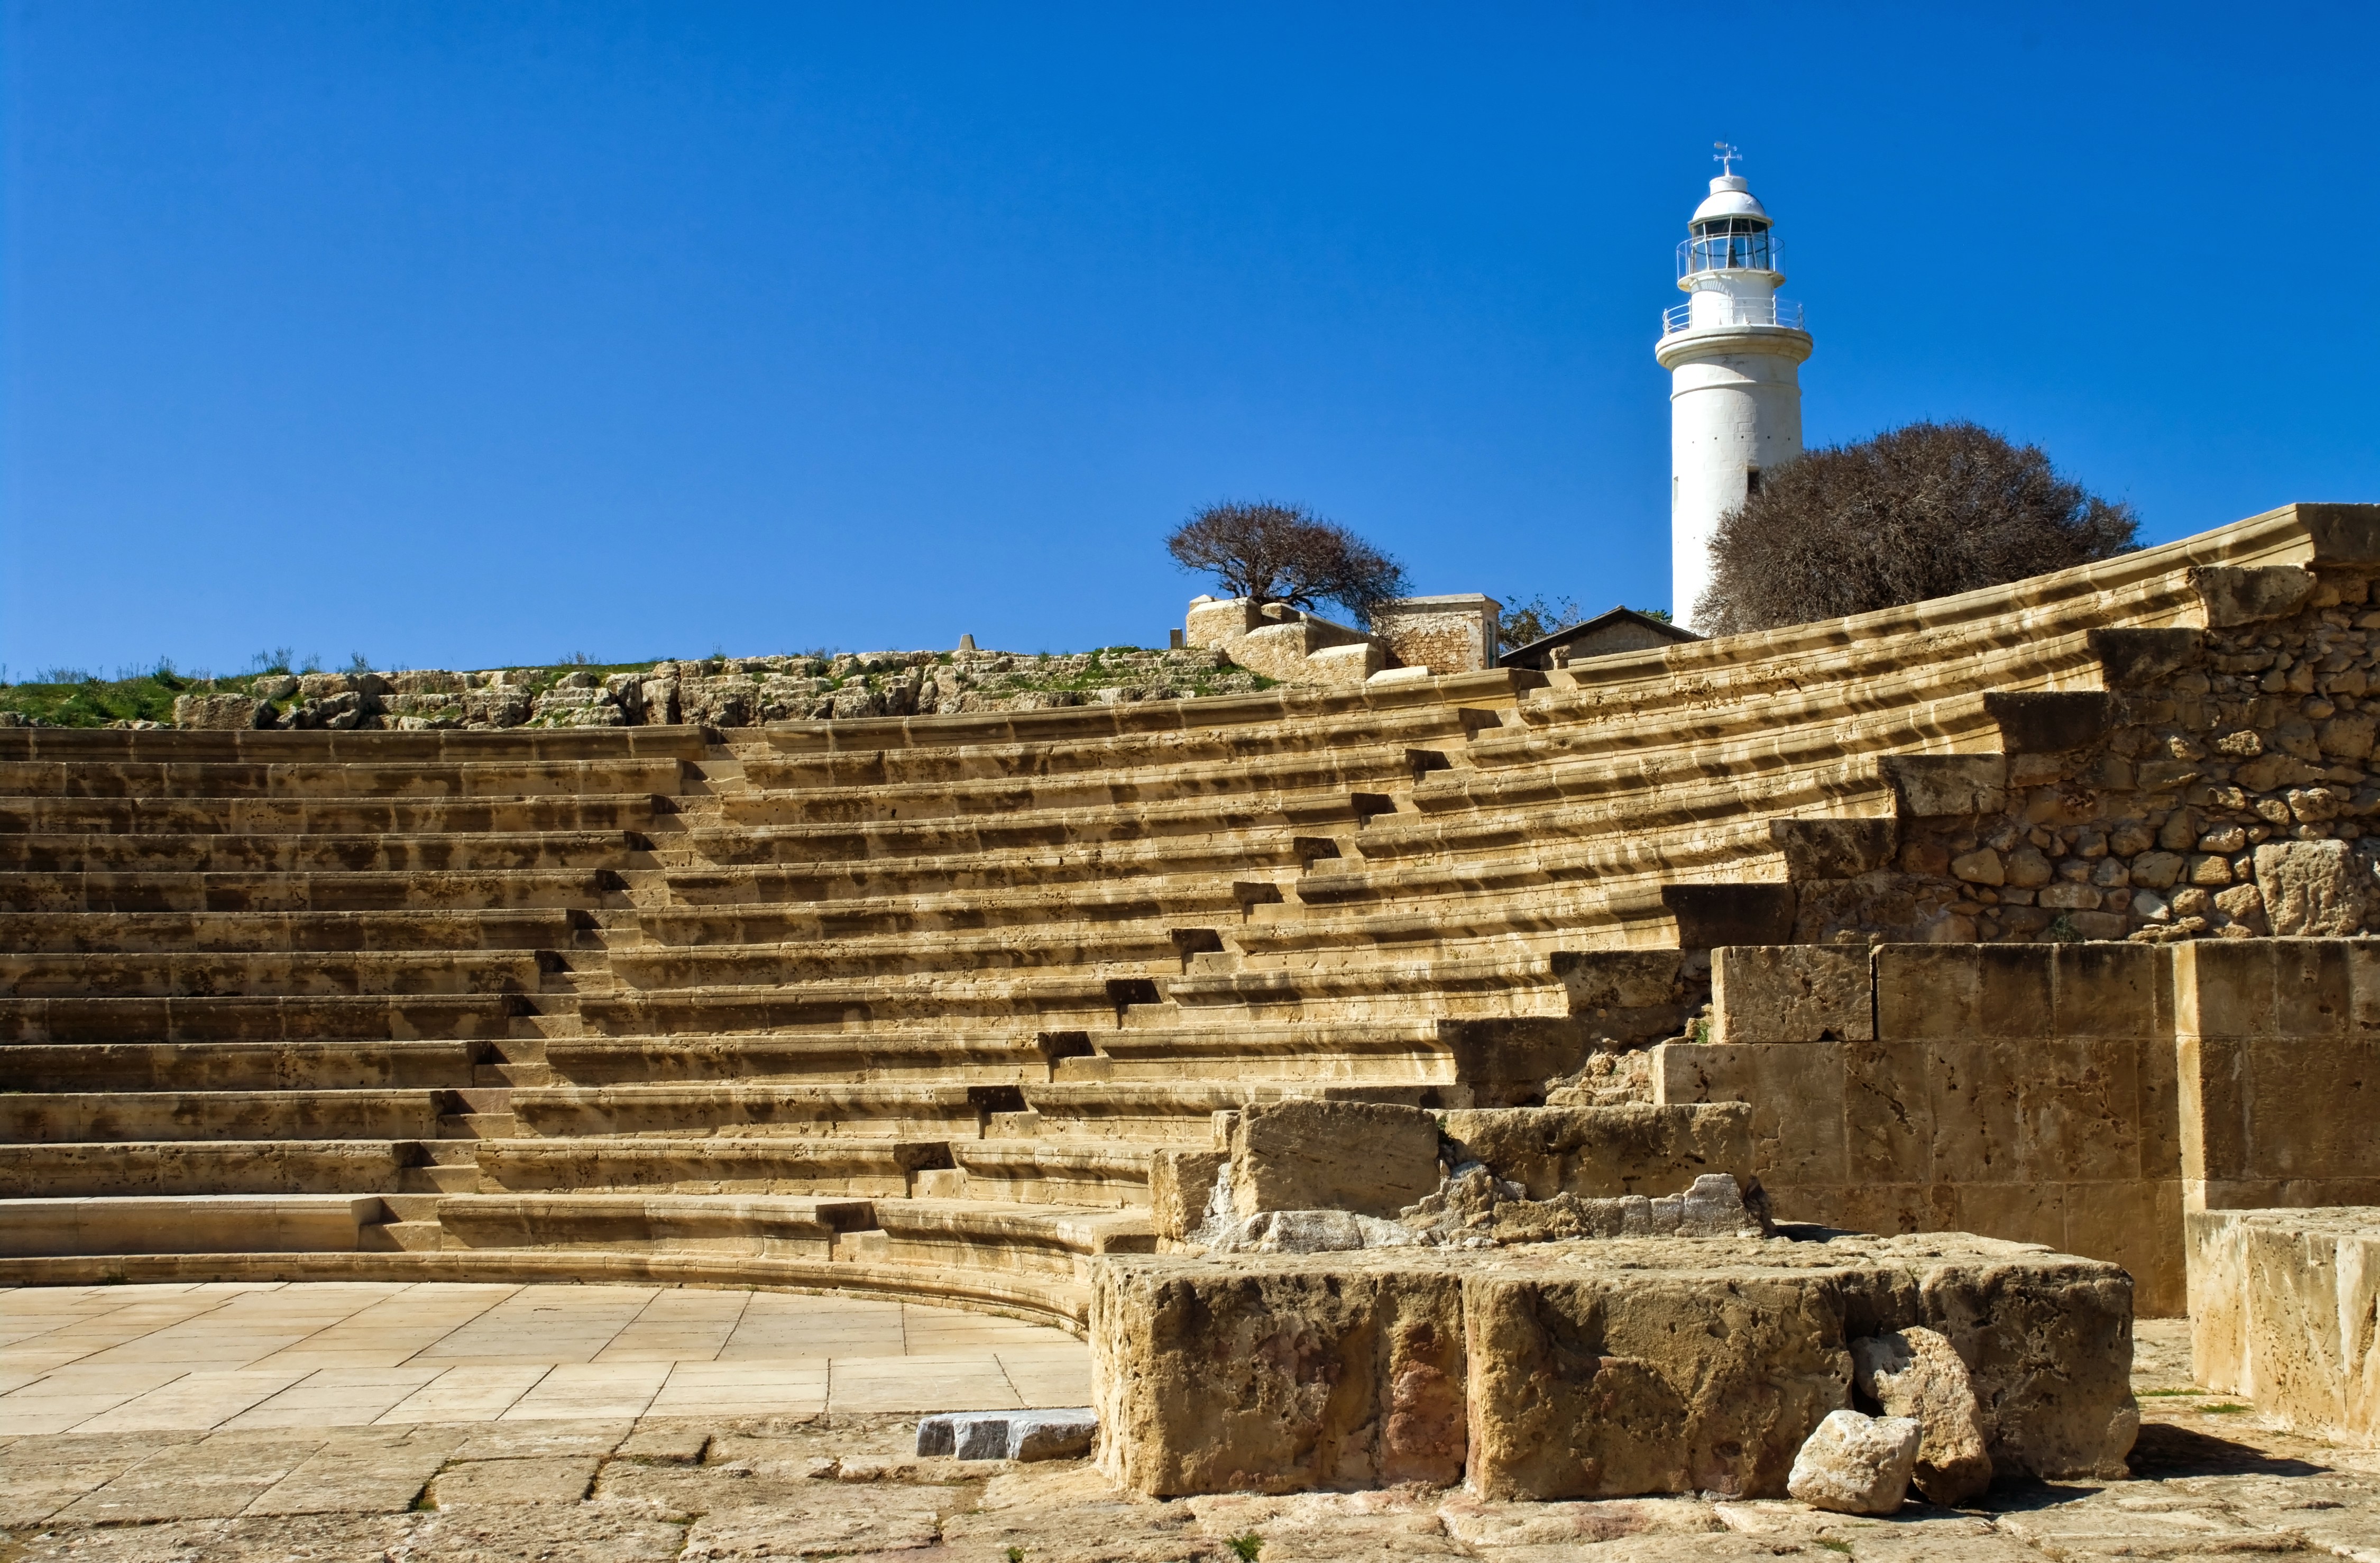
(906, 1007)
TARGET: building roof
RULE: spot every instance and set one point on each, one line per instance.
(1538, 653)
(1731, 196)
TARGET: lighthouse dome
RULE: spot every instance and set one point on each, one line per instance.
(1731, 196)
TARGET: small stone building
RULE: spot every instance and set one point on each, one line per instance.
(1621, 629)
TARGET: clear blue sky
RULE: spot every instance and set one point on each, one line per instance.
(466, 335)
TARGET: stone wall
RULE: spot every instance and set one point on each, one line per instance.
(2222, 785)
(2079, 1095)
(1447, 634)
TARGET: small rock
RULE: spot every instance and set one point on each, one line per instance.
(1857, 1464)
(1917, 1372)
(1311, 1231)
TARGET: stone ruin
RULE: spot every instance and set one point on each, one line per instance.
(1782, 1062)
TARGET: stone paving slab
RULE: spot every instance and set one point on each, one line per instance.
(195, 1358)
(2209, 1480)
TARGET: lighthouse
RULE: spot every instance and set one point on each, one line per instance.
(1733, 350)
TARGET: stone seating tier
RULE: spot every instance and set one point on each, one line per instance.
(972, 972)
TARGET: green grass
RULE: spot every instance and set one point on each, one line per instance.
(2226, 1408)
(1833, 1545)
(94, 703)
(1247, 1547)
(2144, 1394)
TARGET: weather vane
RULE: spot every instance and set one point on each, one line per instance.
(1725, 157)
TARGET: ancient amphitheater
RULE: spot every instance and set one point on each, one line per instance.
(975, 1010)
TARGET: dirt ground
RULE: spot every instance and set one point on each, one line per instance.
(2209, 1478)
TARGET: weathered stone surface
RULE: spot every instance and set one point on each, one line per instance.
(235, 712)
(1791, 993)
(1368, 1157)
(2236, 596)
(1306, 1231)
(2282, 1310)
(1934, 785)
(2311, 889)
(1182, 1189)
(1588, 1369)
(1600, 1153)
(1915, 1373)
(1276, 1374)
(1017, 1435)
(1857, 1464)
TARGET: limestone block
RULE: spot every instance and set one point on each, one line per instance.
(1857, 1464)
(1181, 1186)
(1345, 664)
(2130, 659)
(1601, 1152)
(1834, 848)
(1372, 1158)
(2311, 888)
(2235, 594)
(2282, 1304)
(1278, 1374)
(1791, 993)
(1915, 1373)
(1710, 916)
(1933, 786)
(235, 712)
(2038, 722)
(1308, 1231)
(1018, 1436)
(1210, 624)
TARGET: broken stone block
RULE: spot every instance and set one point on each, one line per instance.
(1915, 1373)
(1181, 1187)
(1369, 1157)
(1793, 992)
(2282, 1304)
(1584, 1369)
(1307, 1231)
(1857, 1464)
(220, 712)
(1604, 1153)
(2309, 888)
(1018, 1436)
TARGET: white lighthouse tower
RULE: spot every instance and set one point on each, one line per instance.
(1733, 350)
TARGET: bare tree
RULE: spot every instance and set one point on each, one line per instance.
(1286, 553)
(1927, 511)
(1526, 619)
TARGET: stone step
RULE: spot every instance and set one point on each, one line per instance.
(1052, 1171)
(732, 1224)
(1184, 900)
(309, 1065)
(1046, 1003)
(189, 1223)
(510, 745)
(987, 1058)
(1215, 821)
(1178, 1112)
(59, 1117)
(1243, 743)
(257, 1019)
(320, 779)
(743, 1108)
(1126, 951)
(315, 854)
(963, 1235)
(869, 1165)
(304, 974)
(954, 874)
(269, 816)
(154, 890)
(208, 1166)
(1365, 768)
(183, 932)
(403, 1236)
